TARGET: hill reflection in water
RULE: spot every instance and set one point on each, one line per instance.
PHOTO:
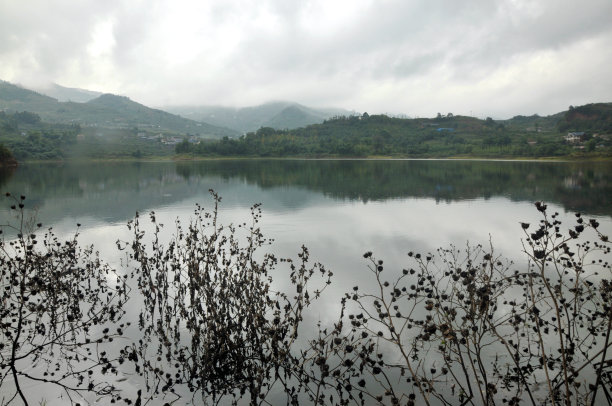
(113, 192)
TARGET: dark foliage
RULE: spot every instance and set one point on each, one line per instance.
(60, 306)
(463, 327)
(212, 321)
(28, 138)
(6, 157)
(372, 135)
(595, 117)
(459, 326)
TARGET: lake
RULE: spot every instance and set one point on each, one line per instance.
(339, 209)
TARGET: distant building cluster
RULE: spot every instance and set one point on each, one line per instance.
(581, 140)
(574, 137)
(167, 139)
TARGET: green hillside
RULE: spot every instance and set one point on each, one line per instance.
(108, 111)
(26, 137)
(380, 135)
(15, 98)
(594, 118)
(534, 123)
(35, 126)
(121, 111)
(293, 117)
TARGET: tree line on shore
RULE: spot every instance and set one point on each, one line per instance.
(28, 138)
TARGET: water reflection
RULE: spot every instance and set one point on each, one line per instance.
(338, 209)
(5, 175)
(577, 186)
(113, 192)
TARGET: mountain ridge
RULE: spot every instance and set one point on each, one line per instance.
(251, 118)
(106, 110)
(68, 94)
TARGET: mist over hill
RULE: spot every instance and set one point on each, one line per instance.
(116, 126)
(278, 115)
(106, 111)
(443, 136)
(68, 94)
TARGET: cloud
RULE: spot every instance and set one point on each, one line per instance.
(415, 57)
(40, 39)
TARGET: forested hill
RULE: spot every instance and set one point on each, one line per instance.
(141, 116)
(108, 111)
(35, 126)
(372, 135)
(596, 117)
(593, 118)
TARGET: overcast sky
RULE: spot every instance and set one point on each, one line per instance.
(494, 58)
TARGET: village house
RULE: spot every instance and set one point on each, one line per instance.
(574, 137)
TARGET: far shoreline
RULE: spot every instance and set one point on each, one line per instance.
(183, 158)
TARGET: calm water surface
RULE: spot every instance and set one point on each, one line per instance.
(338, 209)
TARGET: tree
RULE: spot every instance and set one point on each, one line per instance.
(591, 145)
(60, 306)
(26, 117)
(183, 147)
(6, 157)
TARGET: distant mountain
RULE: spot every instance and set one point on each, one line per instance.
(66, 94)
(16, 98)
(278, 115)
(141, 116)
(107, 111)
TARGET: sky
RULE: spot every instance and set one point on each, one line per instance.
(495, 58)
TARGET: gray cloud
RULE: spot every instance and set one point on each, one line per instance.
(42, 38)
(498, 58)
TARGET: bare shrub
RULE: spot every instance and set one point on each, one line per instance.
(458, 326)
(467, 327)
(59, 305)
(212, 321)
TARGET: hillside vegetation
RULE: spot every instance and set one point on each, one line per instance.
(107, 110)
(380, 135)
(596, 117)
(35, 126)
(27, 137)
(6, 157)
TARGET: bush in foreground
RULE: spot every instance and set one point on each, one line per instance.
(468, 327)
(60, 306)
(212, 322)
(459, 326)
